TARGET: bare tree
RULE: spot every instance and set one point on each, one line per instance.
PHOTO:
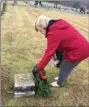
(3, 7)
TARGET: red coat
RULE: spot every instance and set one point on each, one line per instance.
(63, 36)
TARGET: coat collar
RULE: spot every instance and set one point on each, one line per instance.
(51, 22)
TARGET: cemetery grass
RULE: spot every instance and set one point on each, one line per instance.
(22, 47)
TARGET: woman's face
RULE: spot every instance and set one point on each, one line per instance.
(42, 31)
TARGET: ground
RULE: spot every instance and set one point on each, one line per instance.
(22, 47)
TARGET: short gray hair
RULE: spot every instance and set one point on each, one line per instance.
(42, 22)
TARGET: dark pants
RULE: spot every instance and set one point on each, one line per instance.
(65, 69)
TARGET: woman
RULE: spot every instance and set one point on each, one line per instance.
(62, 36)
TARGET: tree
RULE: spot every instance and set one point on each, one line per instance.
(3, 7)
(76, 5)
(55, 4)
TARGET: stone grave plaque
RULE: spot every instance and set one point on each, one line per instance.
(24, 85)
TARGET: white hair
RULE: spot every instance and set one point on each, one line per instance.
(42, 22)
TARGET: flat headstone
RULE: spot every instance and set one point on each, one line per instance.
(24, 85)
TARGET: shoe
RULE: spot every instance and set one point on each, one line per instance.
(54, 84)
(56, 78)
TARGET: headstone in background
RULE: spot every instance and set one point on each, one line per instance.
(24, 85)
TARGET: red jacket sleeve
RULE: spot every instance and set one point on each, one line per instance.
(52, 45)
